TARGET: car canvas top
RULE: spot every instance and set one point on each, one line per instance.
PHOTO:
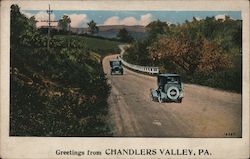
(168, 74)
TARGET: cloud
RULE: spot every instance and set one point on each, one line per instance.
(41, 17)
(112, 21)
(44, 16)
(27, 14)
(222, 17)
(198, 18)
(129, 21)
(146, 19)
(78, 20)
(115, 20)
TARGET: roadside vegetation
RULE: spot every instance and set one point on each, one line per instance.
(205, 52)
(101, 46)
(124, 36)
(61, 91)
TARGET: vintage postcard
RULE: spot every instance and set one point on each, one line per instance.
(124, 79)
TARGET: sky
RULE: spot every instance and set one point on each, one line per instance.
(80, 19)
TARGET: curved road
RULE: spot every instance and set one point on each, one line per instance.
(204, 112)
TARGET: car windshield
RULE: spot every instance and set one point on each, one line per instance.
(169, 79)
(115, 63)
(173, 79)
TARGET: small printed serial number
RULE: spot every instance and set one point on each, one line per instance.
(230, 134)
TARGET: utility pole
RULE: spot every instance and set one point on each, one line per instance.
(49, 22)
(49, 26)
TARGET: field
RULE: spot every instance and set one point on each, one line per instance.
(100, 46)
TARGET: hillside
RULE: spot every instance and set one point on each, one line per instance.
(205, 52)
(135, 28)
(60, 90)
(110, 31)
(101, 46)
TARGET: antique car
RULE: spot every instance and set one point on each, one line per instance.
(170, 89)
(116, 67)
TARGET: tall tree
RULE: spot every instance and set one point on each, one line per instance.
(32, 22)
(124, 35)
(21, 28)
(64, 23)
(18, 24)
(157, 27)
(93, 29)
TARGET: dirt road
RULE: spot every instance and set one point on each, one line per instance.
(204, 112)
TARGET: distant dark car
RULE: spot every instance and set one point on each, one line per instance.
(116, 67)
(170, 89)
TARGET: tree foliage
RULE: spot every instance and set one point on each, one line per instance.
(93, 29)
(190, 56)
(64, 23)
(124, 35)
(56, 92)
(200, 50)
(156, 27)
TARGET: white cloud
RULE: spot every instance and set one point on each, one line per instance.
(41, 16)
(78, 20)
(222, 17)
(27, 14)
(146, 19)
(130, 21)
(112, 21)
(115, 20)
(198, 18)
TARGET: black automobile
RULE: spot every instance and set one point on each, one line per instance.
(116, 67)
(170, 89)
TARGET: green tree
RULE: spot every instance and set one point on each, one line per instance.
(157, 27)
(17, 19)
(92, 28)
(64, 23)
(124, 35)
(22, 29)
(32, 22)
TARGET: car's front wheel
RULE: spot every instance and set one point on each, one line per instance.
(160, 99)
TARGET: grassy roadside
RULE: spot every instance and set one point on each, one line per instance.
(101, 46)
(57, 92)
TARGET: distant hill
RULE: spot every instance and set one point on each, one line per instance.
(135, 28)
(110, 31)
